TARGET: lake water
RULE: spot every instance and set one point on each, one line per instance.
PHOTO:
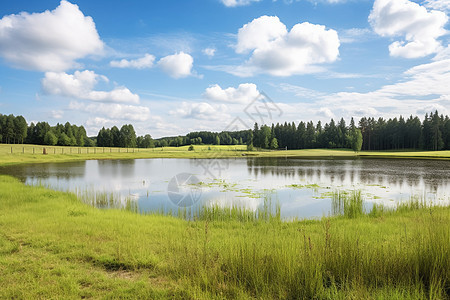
(302, 188)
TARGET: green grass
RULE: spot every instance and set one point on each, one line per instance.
(34, 153)
(54, 246)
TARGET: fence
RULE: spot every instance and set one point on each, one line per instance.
(48, 150)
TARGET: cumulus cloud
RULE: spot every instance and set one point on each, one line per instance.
(81, 85)
(178, 65)
(113, 110)
(200, 111)
(145, 62)
(279, 52)
(209, 52)
(48, 41)
(244, 93)
(260, 33)
(234, 3)
(419, 27)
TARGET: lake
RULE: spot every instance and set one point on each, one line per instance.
(302, 188)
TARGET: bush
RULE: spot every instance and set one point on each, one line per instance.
(191, 148)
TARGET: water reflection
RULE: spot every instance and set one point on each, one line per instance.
(401, 173)
(302, 187)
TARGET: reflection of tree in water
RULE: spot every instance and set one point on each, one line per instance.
(433, 174)
(116, 168)
(58, 171)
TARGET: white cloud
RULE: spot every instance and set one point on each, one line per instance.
(80, 85)
(300, 91)
(326, 112)
(234, 3)
(200, 110)
(48, 41)
(281, 53)
(57, 114)
(244, 93)
(420, 28)
(442, 5)
(113, 110)
(260, 33)
(424, 87)
(209, 52)
(443, 54)
(145, 62)
(178, 65)
(354, 35)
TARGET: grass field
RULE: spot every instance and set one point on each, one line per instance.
(52, 245)
(16, 154)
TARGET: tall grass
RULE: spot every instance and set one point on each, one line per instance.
(347, 204)
(52, 245)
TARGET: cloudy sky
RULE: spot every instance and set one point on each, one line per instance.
(174, 66)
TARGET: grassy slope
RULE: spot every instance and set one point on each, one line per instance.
(24, 153)
(51, 244)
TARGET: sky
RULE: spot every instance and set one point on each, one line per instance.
(175, 66)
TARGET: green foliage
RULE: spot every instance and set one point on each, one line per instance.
(355, 139)
(50, 138)
(349, 205)
(274, 143)
(191, 148)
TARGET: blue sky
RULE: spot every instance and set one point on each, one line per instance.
(170, 67)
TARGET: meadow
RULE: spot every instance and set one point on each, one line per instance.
(54, 245)
(51, 244)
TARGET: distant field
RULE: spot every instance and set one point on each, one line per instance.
(14, 154)
(38, 149)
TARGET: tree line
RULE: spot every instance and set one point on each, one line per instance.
(433, 133)
(15, 130)
(125, 138)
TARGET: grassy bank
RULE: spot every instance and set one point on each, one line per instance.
(17, 154)
(53, 245)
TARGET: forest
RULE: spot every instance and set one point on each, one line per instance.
(433, 133)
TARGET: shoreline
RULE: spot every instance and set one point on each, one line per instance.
(61, 154)
(220, 153)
